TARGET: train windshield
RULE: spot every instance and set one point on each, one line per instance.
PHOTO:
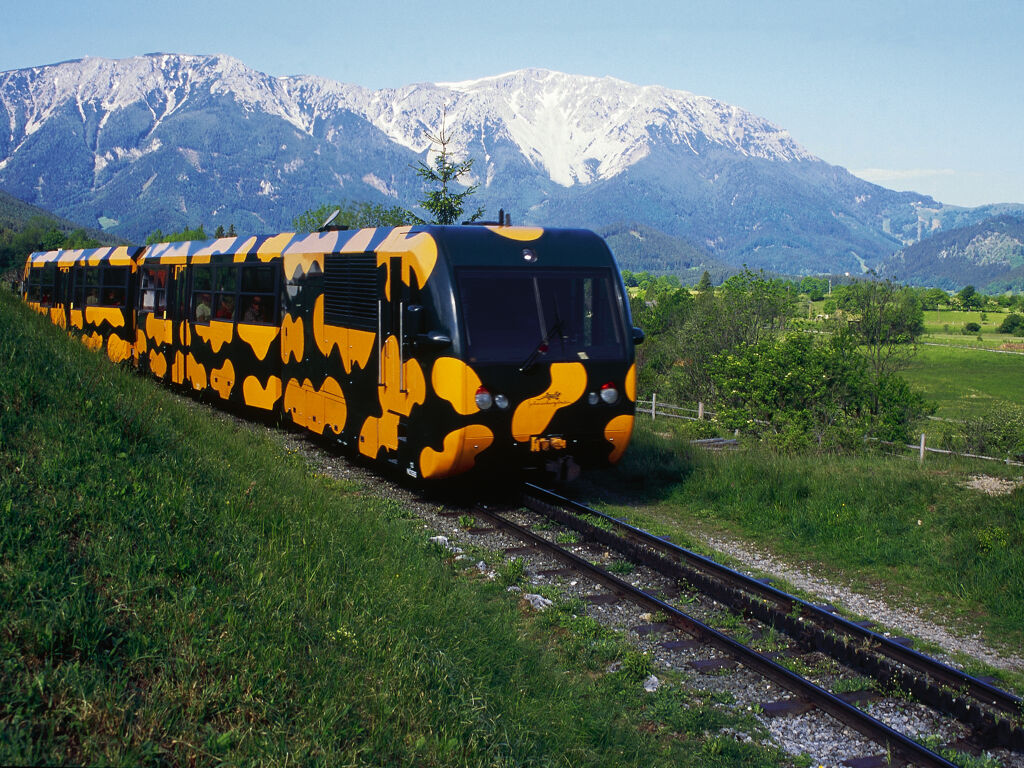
(523, 316)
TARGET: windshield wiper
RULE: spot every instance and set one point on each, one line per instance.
(542, 348)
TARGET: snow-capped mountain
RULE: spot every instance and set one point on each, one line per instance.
(171, 140)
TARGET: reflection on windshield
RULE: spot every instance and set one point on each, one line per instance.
(532, 315)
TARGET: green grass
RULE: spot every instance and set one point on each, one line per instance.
(180, 589)
(883, 524)
(966, 382)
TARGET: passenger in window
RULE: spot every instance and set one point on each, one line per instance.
(92, 299)
(226, 310)
(254, 313)
(203, 308)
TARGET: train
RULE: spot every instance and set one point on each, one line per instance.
(435, 350)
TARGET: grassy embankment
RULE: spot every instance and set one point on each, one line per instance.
(180, 589)
(883, 524)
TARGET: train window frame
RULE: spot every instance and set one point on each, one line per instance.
(153, 291)
(114, 286)
(198, 292)
(32, 286)
(224, 279)
(494, 328)
(47, 284)
(258, 294)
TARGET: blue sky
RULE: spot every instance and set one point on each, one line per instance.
(910, 94)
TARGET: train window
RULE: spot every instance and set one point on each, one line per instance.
(47, 277)
(91, 286)
(225, 288)
(114, 286)
(511, 314)
(153, 289)
(202, 294)
(351, 291)
(258, 296)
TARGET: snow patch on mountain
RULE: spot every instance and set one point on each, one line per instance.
(579, 129)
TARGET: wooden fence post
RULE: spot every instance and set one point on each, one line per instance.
(922, 448)
(700, 410)
(654, 404)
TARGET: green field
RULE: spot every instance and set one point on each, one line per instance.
(967, 382)
(179, 588)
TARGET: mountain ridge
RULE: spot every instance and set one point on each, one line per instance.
(170, 140)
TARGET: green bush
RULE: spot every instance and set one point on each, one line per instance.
(971, 328)
(996, 434)
(799, 391)
(1012, 323)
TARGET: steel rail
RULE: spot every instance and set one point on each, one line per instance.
(1002, 731)
(857, 719)
(990, 694)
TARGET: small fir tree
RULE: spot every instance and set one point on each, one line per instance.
(444, 205)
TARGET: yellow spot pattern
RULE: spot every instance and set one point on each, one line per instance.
(259, 337)
(196, 373)
(568, 382)
(158, 363)
(216, 334)
(315, 409)
(292, 339)
(458, 454)
(355, 346)
(96, 315)
(618, 432)
(522, 234)
(119, 350)
(222, 379)
(457, 383)
(631, 383)
(258, 396)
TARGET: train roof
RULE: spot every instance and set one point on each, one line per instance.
(478, 245)
(118, 256)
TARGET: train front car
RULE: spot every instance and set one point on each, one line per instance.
(540, 372)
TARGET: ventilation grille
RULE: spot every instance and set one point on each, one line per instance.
(350, 290)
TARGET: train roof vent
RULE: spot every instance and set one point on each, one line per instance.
(329, 226)
(504, 220)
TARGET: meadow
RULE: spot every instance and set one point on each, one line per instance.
(965, 381)
(180, 588)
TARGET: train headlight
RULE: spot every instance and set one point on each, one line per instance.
(609, 393)
(593, 398)
(484, 399)
(501, 401)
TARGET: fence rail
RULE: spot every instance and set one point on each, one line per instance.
(656, 408)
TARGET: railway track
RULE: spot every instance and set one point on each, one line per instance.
(991, 716)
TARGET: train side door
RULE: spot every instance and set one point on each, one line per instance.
(401, 383)
(177, 305)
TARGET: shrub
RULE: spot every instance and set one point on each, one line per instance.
(971, 328)
(999, 433)
(1012, 323)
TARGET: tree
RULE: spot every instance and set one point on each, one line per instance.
(705, 283)
(933, 298)
(886, 321)
(795, 389)
(177, 237)
(814, 287)
(354, 215)
(444, 205)
(969, 298)
(39, 233)
(1012, 323)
